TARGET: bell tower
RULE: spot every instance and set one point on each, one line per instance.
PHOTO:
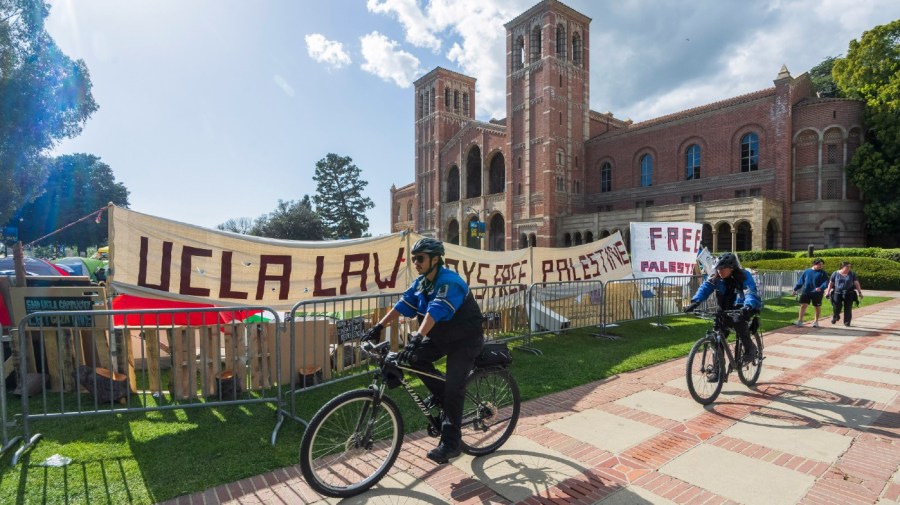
(547, 89)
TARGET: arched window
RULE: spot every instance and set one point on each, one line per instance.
(409, 213)
(749, 152)
(447, 98)
(473, 172)
(606, 178)
(560, 157)
(561, 41)
(692, 162)
(576, 49)
(465, 104)
(535, 44)
(399, 212)
(431, 106)
(456, 102)
(646, 171)
(497, 175)
(453, 184)
(421, 105)
(519, 53)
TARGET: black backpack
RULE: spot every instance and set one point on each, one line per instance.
(494, 354)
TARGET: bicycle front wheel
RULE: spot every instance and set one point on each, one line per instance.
(351, 443)
(749, 371)
(490, 412)
(705, 371)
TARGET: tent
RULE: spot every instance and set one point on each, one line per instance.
(85, 266)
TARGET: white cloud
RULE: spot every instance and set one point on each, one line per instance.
(384, 60)
(326, 51)
(418, 27)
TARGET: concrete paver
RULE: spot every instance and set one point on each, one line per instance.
(738, 477)
(822, 424)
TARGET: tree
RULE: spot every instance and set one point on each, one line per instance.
(822, 79)
(241, 225)
(290, 221)
(77, 184)
(45, 97)
(339, 197)
(871, 72)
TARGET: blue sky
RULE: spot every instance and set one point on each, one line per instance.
(216, 109)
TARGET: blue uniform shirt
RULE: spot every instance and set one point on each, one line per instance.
(442, 299)
(745, 295)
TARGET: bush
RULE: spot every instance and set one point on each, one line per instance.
(889, 254)
(763, 255)
(873, 273)
(855, 252)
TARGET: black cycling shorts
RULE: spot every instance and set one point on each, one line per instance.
(814, 298)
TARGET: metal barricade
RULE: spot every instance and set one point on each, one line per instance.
(90, 362)
(676, 292)
(505, 314)
(324, 339)
(6, 441)
(629, 299)
(559, 306)
(773, 284)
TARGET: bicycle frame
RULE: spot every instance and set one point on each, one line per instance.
(720, 336)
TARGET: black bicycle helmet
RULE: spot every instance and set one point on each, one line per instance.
(727, 260)
(429, 246)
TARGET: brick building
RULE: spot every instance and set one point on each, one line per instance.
(765, 170)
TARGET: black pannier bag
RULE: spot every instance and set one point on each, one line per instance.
(494, 354)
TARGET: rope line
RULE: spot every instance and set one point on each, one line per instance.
(97, 213)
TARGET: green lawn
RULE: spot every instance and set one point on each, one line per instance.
(150, 457)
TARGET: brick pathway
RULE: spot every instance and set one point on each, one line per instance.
(821, 427)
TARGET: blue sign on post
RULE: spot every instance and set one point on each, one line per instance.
(476, 229)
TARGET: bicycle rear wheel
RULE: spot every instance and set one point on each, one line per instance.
(705, 362)
(749, 372)
(490, 412)
(350, 444)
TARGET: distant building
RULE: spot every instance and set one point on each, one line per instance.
(765, 170)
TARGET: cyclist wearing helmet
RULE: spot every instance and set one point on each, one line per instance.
(450, 324)
(735, 289)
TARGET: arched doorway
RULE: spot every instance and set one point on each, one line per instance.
(578, 238)
(567, 240)
(772, 235)
(453, 232)
(588, 237)
(473, 172)
(523, 241)
(723, 237)
(706, 236)
(532, 239)
(497, 233)
(743, 238)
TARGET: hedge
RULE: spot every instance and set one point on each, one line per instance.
(873, 273)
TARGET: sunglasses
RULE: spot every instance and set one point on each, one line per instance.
(420, 258)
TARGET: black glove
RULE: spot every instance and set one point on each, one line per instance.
(413, 343)
(747, 312)
(374, 334)
(691, 307)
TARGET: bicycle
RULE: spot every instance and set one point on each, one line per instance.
(706, 364)
(355, 438)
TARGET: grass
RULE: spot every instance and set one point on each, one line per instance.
(149, 457)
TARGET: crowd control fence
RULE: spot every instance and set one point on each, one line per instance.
(70, 364)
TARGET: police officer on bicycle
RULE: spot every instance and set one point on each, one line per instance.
(450, 324)
(735, 289)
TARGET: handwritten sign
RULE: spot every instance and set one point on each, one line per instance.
(350, 329)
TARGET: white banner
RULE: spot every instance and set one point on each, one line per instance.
(161, 258)
(663, 249)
